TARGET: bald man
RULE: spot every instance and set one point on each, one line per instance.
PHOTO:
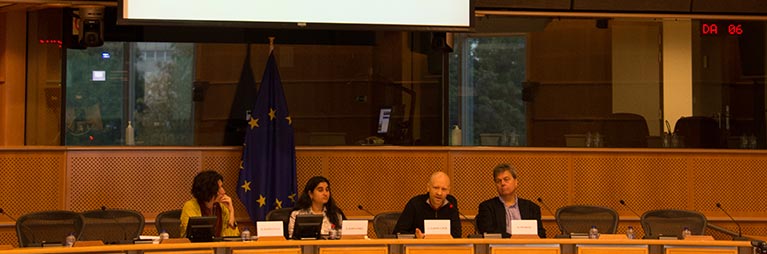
(434, 205)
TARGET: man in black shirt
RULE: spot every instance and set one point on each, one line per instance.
(436, 204)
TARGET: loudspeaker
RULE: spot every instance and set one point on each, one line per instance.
(91, 26)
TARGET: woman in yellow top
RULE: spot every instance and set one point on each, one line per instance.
(210, 199)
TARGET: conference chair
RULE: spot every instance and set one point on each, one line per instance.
(699, 132)
(671, 222)
(625, 130)
(33, 229)
(112, 225)
(383, 224)
(170, 221)
(580, 218)
(282, 214)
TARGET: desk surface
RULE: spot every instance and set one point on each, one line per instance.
(370, 242)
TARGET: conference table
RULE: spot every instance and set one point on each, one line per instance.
(420, 246)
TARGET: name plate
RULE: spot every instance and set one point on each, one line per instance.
(269, 229)
(354, 229)
(524, 227)
(436, 227)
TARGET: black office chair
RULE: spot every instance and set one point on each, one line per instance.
(170, 221)
(625, 130)
(671, 222)
(383, 224)
(34, 229)
(282, 214)
(112, 225)
(699, 132)
(580, 218)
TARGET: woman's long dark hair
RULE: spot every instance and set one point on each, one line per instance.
(305, 202)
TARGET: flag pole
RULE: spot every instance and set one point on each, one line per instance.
(271, 44)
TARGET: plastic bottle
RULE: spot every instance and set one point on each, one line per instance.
(630, 233)
(70, 240)
(245, 235)
(593, 233)
(129, 139)
(332, 233)
(455, 136)
(686, 232)
(164, 235)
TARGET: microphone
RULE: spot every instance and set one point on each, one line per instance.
(623, 203)
(122, 227)
(740, 232)
(363, 209)
(31, 232)
(540, 200)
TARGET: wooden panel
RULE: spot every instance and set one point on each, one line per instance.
(524, 250)
(124, 179)
(182, 252)
(701, 250)
(271, 250)
(441, 249)
(357, 250)
(611, 250)
(32, 180)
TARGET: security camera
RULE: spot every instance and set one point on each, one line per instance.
(91, 26)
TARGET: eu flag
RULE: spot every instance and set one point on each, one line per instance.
(268, 171)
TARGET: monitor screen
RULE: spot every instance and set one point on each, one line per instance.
(200, 229)
(307, 226)
(384, 117)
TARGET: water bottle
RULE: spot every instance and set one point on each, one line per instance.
(593, 233)
(129, 138)
(332, 233)
(245, 235)
(164, 235)
(630, 233)
(70, 240)
(686, 232)
(455, 136)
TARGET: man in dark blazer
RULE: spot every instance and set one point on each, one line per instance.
(496, 213)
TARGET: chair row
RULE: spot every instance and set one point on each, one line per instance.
(51, 227)
(655, 223)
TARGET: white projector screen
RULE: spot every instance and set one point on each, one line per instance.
(414, 13)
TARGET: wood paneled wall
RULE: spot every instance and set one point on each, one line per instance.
(152, 180)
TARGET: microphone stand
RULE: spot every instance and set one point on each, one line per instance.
(31, 232)
(740, 232)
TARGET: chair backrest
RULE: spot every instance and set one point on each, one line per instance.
(170, 221)
(112, 225)
(580, 218)
(383, 224)
(625, 130)
(672, 222)
(282, 214)
(699, 132)
(49, 226)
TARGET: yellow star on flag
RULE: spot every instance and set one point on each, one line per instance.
(278, 203)
(261, 201)
(253, 123)
(292, 198)
(246, 186)
(290, 121)
(272, 113)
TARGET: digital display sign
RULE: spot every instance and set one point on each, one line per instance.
(723, 28)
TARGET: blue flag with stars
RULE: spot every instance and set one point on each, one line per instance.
(268, 170)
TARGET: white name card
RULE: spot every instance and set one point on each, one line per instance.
(524, 227)
(269, 228)
(436, 227)
(355, 227)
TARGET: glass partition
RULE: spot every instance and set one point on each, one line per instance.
(514, 81)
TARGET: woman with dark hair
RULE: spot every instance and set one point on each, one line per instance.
(316, 199)
(210, 199)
